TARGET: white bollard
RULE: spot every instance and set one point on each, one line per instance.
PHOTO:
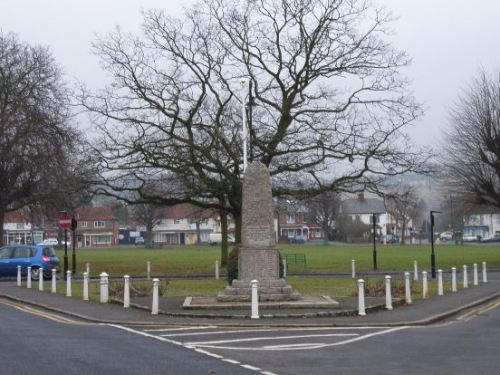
(216, 270)
(68, 283)
(53, 288)
(85, 286)
(361, 297)
(255, 299)
(87, 269)
(388, 294)
(126, 291)
(440, 283)
(475, 277)
(28, 278)
(466, 277)
(19, 282)
(353, 268)
(415, 270)
(284, 268)
(425, 286)
(40, 279)
(485, 276)
(148, 270)
(407, 288)
(154, 308)
(104, 286)
(453, 279)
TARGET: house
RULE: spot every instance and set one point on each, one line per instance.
(294, 220)
(482, 221)
(362, 209)
(180, 224)
(17, 228)
(97, 227)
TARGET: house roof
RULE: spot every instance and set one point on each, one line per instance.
(482, 210)
(94, 213)
(362, 206)
(186, 210)
(15, 217)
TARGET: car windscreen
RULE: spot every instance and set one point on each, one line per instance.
(5, 252)
(49, 252)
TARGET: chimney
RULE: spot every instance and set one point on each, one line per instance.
(361, 196)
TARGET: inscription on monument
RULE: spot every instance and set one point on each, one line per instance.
(258, 235)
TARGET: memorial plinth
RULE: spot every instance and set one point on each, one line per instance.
(258, 256)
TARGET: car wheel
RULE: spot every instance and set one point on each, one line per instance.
(35, 273)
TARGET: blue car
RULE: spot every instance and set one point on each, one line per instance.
(39, 257)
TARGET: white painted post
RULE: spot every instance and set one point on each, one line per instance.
(425, 287)
(103, 282)
(85, 286)
(415, 270)
(485, 276)
(475, 278)
(284, 268)
(154, 308)
(353, 268)
(19, 282)
(216, 270)
(53, 288)
(407, 288)
(28, 278)
(40, 279)
(453, 279)
(255, 299)
(440, 283)
(361, 297)
(466, 279)
(68, 283)
(87, 269)
(388, 294)
(126, 291)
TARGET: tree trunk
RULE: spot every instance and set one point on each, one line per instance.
(198, 233)
(223, 247)
(237, 227)
(149, 234)
(403, 229)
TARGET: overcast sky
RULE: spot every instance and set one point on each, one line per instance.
(449, 40)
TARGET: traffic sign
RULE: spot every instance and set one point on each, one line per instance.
(64, 221)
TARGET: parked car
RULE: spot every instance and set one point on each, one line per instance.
(50, 242)
(446, 236)
(139, 241)
(493, 238)
(390, 238)
(298, 240)
(216, 238)
(41, 258)
(471, 238)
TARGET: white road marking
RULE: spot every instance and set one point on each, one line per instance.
(262, 338)
(178, 329)
(260, 330)
(268, 373)
(309, 346)
(251, 367)
(208, 353)
(302, 345)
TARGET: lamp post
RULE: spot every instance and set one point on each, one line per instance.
(244, 133)
(73, 229)
(374, 219)
(433, 255)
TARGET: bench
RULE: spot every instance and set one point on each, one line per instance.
(296, 259)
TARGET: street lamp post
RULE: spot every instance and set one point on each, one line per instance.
(433, 255)
(244, 133)
(374, 216)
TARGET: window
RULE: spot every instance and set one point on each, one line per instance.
(177, 221)
(49, 252)
(102, 239)
(23, 252)
(290, 219)
(99, 224)
(84, 224)
(19, 225)
(5, 253)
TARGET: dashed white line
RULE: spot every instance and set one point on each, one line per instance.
(250, 367)
(208, 353)
(178, 329)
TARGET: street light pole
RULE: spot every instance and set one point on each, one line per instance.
(374, 216)
(244, 134)
(433, 255)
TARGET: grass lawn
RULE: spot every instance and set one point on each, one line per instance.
(320, 258)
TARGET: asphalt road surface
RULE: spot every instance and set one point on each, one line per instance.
(34, 341)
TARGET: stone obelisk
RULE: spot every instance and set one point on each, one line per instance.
(258, 256)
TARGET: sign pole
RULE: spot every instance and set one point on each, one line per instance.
(65, 252)
(73, 229)
(374, 242)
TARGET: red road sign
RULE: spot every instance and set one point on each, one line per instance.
(64, 221)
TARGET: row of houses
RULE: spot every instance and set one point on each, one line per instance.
(181, 224)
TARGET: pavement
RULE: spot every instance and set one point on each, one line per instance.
(421, 312)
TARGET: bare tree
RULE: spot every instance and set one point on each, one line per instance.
(402, 204)
(324, 210)
(149, 216)
(327, 101)
(35, 138)
(472, 145)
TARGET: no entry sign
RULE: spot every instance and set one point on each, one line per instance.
(64, 221)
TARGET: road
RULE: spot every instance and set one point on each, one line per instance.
(34, 341)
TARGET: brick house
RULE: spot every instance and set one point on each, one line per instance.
(17, 228)
(297, 222)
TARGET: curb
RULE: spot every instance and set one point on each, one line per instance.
(427, 321)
